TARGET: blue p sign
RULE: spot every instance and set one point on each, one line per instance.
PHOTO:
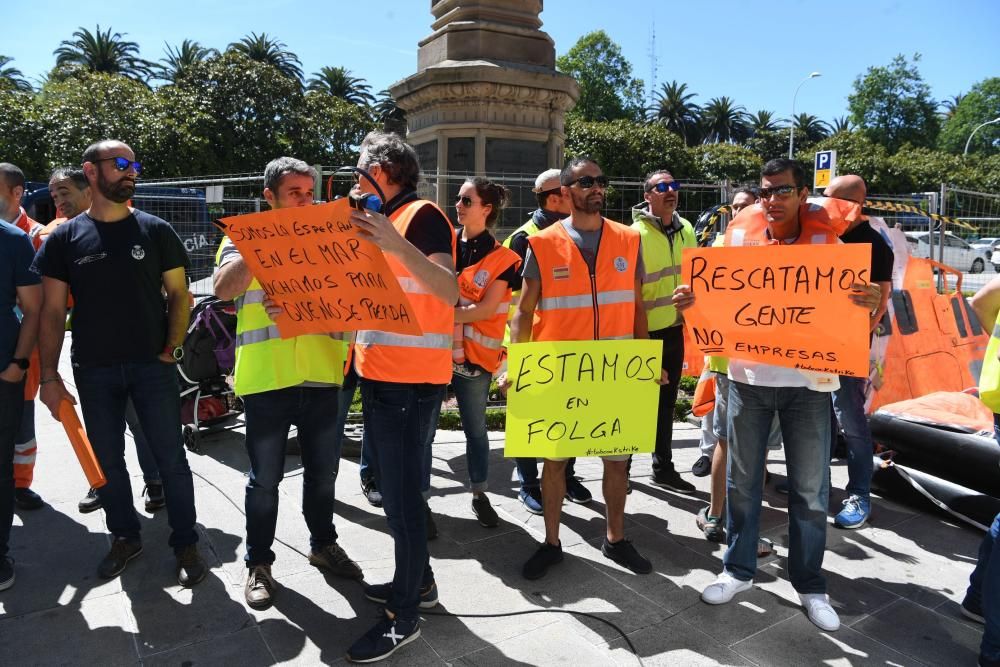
(823, 160)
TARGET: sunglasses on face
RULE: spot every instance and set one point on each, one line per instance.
(122, 164)
(663, 186)
(780, 191)
(587, 182)
(464, 201)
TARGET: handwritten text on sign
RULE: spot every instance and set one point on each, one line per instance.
(582, 398)
(312, 263)
(781, 305)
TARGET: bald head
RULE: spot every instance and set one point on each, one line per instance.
(100, 149)
(849, 187)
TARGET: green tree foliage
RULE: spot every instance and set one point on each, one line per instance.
(628, 148)
(21, 140)
(104, 52)
(718, 162)
(673, 108)
(11, 77)
(338, 82)
(979, 105)
(812, 127)
(763, 121)
(608, 90)
(325, 130)
(893, 105)
(263, 49)
(391, 117)
(723, 120)
(180, 59)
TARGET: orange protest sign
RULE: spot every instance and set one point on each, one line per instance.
(781, 305)
(311, 262)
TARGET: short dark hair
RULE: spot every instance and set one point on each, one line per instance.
(650, 175)
(745, 190)
(543, 197)
(783, 164)
(395, 156)
(493, 194)
(74, 174)
(566, 175)
(12, 175)
(280, 167)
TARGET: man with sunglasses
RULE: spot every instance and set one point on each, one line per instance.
(664, 234)
(801, 399)
(583, 277)
(117, 261)
(284, 381)
(552, 207)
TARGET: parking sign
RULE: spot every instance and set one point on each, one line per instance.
(824, 168)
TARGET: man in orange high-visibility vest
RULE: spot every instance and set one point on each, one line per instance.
(583, 279)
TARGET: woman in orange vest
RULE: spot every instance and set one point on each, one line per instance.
(485, 272)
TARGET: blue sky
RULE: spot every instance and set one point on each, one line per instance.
(755, 53)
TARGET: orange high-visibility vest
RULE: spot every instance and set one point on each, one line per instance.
(751, 230)
(482, 341)
(575, 305)
(824, 214)
(391, 357)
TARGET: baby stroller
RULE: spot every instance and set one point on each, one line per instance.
(208, 403)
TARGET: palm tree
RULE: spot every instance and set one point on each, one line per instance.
(338, 82)
(105, 52)
(841, 124)
(673, 108)
(11, 77)
(949, 106)
(393, 118)
(763, 121)
(263, 49)
(181, 58)
(812, 127)
(722, 120)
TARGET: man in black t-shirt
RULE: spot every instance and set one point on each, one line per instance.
(849, 400)
(117, 262)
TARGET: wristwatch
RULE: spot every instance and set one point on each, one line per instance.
(21, 362)
(176, 352)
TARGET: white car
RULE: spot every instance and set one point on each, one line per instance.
(957, 253)
(987, 245)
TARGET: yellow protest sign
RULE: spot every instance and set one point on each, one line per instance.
(781, 305)
(312, 263)
(582, 398)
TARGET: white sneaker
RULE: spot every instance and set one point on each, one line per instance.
(820, 612)
(724, 588)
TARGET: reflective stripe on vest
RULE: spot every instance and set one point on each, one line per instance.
(530, 229)
(989, 378)
(482, 340)
(575, 305)
(389, 357)
(661, 257)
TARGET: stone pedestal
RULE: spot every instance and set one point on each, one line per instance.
(486, 98)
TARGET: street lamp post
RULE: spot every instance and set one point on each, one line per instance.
(969, 140)
(791, 127)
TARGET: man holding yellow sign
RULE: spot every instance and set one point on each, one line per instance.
(583, 277)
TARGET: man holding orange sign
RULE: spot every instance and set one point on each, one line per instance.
(760, 387)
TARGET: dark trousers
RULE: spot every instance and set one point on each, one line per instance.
(673, 362)
(153, 389)
(398, 419)
(11, 410)
(269, 416)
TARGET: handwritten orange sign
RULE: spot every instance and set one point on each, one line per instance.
(781, 305)
(311, 262)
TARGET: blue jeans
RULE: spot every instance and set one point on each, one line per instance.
(344, 398)
(269, 416)
(11, 412)
(153, 389)
(472, 394)
(150, 473)
(849, 405)
(398, 418)
(805, 427)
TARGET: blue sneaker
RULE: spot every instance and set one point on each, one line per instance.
(532, 499)
(385, 638)
(855, 513)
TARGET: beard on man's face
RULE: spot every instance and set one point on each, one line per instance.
(117, 191)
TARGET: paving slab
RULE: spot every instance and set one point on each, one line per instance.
(930, 637)
(673, 642)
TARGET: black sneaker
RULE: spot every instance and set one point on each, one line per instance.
(371, 492)
(432, 529)
(334, 559)
(90, 503)
(6, 573)
(625, 555)
(382, 592)
(154, 496)
(259, 589)
(702, 467)
(27, 499)
(546, 556)
(576, 492)
(191, 568)
(484, 511)
(673, 481)
(972, 610)
(122, 551)
(385, 638)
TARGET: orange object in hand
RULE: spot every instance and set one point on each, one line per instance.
(81, 445)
